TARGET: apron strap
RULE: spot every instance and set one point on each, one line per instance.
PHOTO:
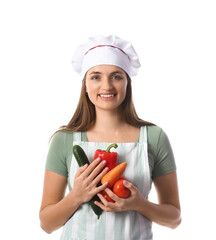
(143, 134)
(77, 136)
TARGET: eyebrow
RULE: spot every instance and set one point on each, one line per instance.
(110, 74)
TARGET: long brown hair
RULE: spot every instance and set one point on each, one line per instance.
(84, 116)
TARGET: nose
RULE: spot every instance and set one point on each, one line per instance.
(106, 84)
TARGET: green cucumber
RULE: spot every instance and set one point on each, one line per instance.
(80, 155)
(82, 159)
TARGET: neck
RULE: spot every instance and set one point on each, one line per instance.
(109, 121)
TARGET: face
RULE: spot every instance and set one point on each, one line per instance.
(106, 86)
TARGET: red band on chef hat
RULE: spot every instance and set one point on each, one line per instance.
(110, 50)
(106, 46)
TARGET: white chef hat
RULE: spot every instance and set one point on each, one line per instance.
(101, 50)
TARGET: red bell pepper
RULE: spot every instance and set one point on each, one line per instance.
(110, 157)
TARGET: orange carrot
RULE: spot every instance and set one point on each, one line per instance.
(114, 174)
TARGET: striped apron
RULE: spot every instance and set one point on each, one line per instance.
(127, 225)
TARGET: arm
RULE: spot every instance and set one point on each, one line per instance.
(55, 208)
(166, 213)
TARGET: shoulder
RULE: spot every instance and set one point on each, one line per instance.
(61, 136)
(154, 133)
(156, 137)
(160, 152)
(62, 139)
(59, 150)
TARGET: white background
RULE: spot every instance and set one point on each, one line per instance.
(175, 41)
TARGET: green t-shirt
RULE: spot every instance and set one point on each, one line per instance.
(160, 154)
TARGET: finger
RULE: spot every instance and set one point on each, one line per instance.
(92, 166)
(99, 177)
(81, 170)
(100, 188)
(112, 194)
(100, 205)
(130, 186)
(106, 204)
(98, 170)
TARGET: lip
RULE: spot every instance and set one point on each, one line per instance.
(109, 93)
(107, 98)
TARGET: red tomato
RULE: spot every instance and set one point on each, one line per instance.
(120, 190)
(107, 197)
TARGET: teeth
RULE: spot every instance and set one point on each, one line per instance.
(107, 95)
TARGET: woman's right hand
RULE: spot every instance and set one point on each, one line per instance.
(86, 180)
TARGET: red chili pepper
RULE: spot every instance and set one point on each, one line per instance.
(110, 157)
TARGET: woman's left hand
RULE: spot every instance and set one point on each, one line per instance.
(121, 204)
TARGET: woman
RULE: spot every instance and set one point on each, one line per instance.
(106, 114)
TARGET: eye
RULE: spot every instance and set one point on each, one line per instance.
(95, 77)
(117, 77)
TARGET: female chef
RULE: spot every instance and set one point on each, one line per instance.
(105, 114)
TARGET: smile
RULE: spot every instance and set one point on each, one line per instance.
(107, 95)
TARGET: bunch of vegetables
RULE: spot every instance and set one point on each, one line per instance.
(113, 177)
